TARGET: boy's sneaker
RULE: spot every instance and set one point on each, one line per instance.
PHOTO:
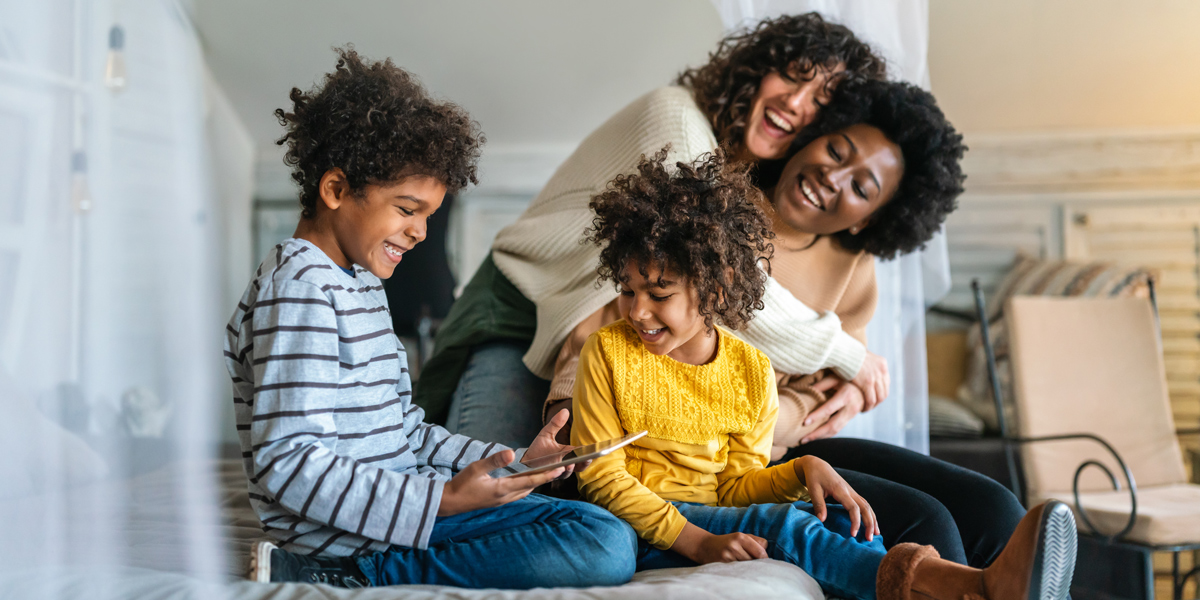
(270, 564)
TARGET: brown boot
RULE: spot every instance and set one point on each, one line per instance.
(1036, 564)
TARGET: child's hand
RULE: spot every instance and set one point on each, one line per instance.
(873, 380)
(473, 488)
(824, 482)
(704, 547)
(545, 443)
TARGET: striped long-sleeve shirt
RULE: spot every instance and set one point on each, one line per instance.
(339, 460)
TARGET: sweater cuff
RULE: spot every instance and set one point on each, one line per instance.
(846, 355)
(675, 524)
(790, 481)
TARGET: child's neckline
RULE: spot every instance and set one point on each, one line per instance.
(715, 357)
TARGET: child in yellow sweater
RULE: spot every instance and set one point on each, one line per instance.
(684, 248)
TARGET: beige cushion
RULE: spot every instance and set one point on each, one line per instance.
(1090, 365)
(1035, 277)
(1168, 514)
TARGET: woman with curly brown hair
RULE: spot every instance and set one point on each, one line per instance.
(533, 299)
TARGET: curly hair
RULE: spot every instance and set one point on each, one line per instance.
(725, 87)
(931, 150)
(701, 222)
(375, 122)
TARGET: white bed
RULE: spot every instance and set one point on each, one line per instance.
(157, 548)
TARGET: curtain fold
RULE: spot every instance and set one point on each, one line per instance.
(898, 30)
(119, 212)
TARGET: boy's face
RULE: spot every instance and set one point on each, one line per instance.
(665, 312)
(376, 229)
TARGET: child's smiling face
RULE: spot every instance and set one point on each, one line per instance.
(665, 312)
(378, 226)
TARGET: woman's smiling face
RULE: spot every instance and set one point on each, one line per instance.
(838, 181)
(784, 105)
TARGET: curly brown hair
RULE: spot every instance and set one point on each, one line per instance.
(375, 122)
(702, 222)
(797, 45)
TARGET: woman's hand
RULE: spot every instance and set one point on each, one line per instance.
(824, 482)
(873, 380)
(845, 404)
(703, 547)
(473, 488)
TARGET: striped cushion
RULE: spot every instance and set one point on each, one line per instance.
(1035, 277)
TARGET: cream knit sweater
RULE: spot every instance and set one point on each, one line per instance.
(544, 254)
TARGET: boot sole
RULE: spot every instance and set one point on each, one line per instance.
(260, 562)
(1054, 564)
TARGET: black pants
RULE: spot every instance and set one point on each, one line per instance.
(966, 516)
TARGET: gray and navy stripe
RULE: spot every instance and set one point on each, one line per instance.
(339, 460)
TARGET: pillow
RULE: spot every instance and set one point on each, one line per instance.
(949, 419)
(1035, 277)
(39, 455)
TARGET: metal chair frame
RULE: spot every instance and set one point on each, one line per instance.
(1178, 580)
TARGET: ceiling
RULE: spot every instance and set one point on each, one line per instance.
(532, 72)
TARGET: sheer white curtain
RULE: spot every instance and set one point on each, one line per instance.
(899, 30)
(115, 230)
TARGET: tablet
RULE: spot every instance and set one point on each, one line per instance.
(576, 454)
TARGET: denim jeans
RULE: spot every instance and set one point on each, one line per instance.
(532, 542)
(498, 399)
(844, 566)
(966, 516)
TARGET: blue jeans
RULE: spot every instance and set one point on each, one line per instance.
(966, 516)
(532, 542)
(844, 566)
(498, 399)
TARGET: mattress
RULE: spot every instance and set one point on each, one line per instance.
(152, 552)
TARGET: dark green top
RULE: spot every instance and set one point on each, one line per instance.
(490, 308)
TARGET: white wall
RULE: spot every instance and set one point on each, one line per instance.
(1036, 65)
(538, 75)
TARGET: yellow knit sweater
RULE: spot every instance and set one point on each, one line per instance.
(709, 431)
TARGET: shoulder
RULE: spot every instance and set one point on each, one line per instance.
(297, 269)
(297, 260)
(665, 116)
(739, 350)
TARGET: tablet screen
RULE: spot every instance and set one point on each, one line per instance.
(578, 454)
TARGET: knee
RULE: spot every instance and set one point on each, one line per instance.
(612, 552)
(997, 499)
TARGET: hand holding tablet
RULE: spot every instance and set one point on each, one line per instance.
(576, 455)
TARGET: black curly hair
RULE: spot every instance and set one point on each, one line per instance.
(799, 45)
(931, 149)
(702, 222)
(375, 122)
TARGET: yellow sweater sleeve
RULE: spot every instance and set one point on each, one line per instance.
(606, 482)
(746, 478)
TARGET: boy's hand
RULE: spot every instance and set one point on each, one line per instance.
(873, 380)
(473, 488)
(703, 547)
(824, 482)
(545, 443)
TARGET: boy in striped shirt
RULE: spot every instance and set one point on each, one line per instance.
(350, 484)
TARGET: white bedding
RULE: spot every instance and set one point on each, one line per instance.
(155, 563)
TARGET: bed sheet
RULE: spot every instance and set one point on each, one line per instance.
(158, 547)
